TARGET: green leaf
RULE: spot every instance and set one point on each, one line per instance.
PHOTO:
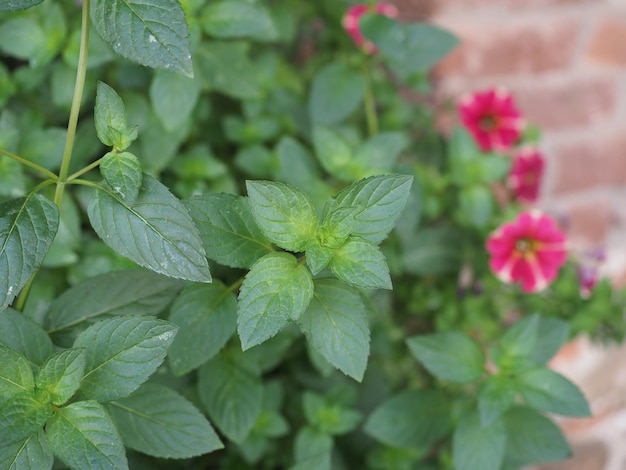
(408, 47)
(150, 32)
(134, 292)
(255, 160)
(532, 438)
(475, 446)
(173, 97)
(450, 355)
(157, 421)
(31, 454)
(156, 231)
(43, 146)
(334, 153)
(12, 177)
(227, 228)
(494, 167)
(381, 151)
(400, 458)
(20, 333)
(16, 375)
(312, 450)
(530, 342)
(27, 228)
(206, 316)
(330, 418)
(225, 67)
(82, 435)
(552, 333)
(317, 256)
(285, 215)
(496, 395)
(61, 374)
(232, 393)
(410, 419)
(109, 116)
(276, 290)
(122, 172)
(336, 227)
(23, 37)
(464, 158)
(238, 19)
(433, 251)
(63, 251)
(545, 390)
(21, 416)
(121, 353)
(271, 424)
(296, 165)
(14, 5)
(476, 205)
(336, 92)
(361, 263)
(335, 325)
(378, 202)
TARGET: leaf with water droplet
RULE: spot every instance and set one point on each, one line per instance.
(121, 353)
(155, 231)
(122, 172)
(14, 5)
(28, 226)
(150, 32)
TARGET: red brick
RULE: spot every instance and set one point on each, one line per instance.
(511, 47)
(592, 161)
(413, 10)
(590, 222)
(569, 102)
(607, 43)
(472, 5)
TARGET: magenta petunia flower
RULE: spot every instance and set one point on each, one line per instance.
(353, 15)
(526, 174)
(528, 251)
(492, 118)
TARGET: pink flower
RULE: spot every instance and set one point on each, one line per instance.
(528, 251)
(353, 15)
(492, 118)
(526, 173)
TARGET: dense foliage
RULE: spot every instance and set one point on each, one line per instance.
(249, 246)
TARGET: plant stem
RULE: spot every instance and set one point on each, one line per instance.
(370, 104)
(76, 100)
(81, 172)
(21, 299)
(69, 140)
(25, 162)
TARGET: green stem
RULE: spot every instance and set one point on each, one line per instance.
(235, 285)
(69, 140)
(76, 100)
(25, 162)
(81, 172)
(370, 104)
(91, 184)
(21, 299)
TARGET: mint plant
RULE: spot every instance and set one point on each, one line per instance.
(227, 240)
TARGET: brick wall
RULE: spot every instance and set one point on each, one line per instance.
(565, 60)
